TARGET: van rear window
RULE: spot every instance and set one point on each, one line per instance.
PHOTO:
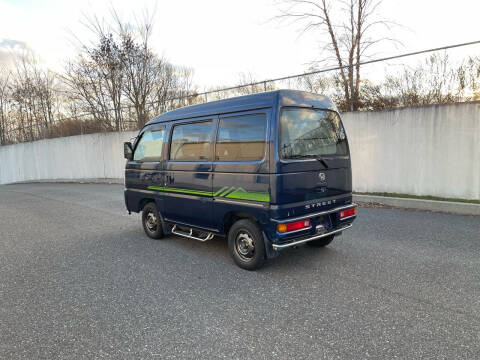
(311, 133)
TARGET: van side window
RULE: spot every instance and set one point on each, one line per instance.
(150, 146)
(191, 142)
(241, 138)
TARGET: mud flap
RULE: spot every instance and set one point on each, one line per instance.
(269, 252)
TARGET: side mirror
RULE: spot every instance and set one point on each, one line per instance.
(128, 150)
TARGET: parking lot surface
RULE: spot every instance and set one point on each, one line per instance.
(79, 279)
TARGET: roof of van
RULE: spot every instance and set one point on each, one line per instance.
(248, 102)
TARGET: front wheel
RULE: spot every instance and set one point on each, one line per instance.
(246, 245)
(152, 223)
(322, 242)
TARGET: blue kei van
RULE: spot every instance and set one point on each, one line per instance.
(267, 171)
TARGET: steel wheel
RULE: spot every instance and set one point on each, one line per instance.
(244, 246)
(151, 221)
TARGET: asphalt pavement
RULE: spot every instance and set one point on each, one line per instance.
(79, 279)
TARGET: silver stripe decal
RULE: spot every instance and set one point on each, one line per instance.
(236, 202)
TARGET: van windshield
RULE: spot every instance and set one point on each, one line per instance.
(311, 133)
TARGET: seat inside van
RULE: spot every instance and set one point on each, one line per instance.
(240, 151)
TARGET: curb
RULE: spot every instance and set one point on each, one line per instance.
(72, 181)
(429, 205)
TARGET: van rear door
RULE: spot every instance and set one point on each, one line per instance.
(313, 157)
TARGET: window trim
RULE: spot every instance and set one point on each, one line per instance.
(265, 147)
(209, 119)
(140, 137)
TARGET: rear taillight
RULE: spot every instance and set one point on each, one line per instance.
(347, 213)
(293, 226)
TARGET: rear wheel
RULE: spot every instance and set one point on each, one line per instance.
(152, 223)
(246, 245)
(321, 242)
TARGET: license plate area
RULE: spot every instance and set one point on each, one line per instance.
(323, 223)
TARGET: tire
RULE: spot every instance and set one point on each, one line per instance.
(322, 242)
(246, 245)
(151, 221)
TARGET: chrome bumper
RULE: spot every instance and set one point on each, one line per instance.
(314, 237)
(308, 216)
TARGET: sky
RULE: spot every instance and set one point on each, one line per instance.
(221, 39)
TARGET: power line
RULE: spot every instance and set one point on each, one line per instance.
(264, 82)
(346, 66)
(323, 70)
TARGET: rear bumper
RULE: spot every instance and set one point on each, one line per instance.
(310, 238)
(323, 224)
(312, 215)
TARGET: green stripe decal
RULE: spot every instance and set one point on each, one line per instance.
(231, 188)
(219, 191)
(184, 191)
(247, 195)
(228, 192)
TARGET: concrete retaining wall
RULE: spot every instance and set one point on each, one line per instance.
(431, 150)
(69, 158)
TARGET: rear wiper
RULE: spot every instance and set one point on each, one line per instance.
(323, 162)
(299, 156)
(309, 156)
(319, 159)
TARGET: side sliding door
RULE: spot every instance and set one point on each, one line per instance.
(188, 181)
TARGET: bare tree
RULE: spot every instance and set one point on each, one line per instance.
(435, 81)
(249, 85)
(141, 66)
(4, 98)
(351, 27)
(87, 91)
(32, 97)
(468, 77)
(119, 76)
(96, 77)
